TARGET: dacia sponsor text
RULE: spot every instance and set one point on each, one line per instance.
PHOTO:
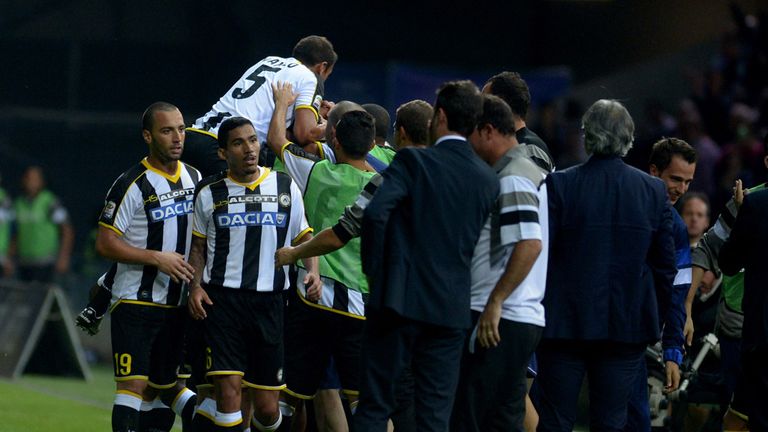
(246, 219)
(171, 211)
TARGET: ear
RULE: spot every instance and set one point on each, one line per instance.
(222, 154)
(146, 135)
(653, 170)
(765, 161)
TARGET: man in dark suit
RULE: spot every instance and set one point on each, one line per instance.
(745, 249)
(419, 233)
(611, 265)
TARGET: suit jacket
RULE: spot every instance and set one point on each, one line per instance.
(612, 255)
(420, 229)
(746, 249)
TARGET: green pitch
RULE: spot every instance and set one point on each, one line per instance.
(38, 403)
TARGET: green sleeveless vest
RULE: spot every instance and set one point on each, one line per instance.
(38, 235)
(332, 187)
(5, 223)
(383, 154)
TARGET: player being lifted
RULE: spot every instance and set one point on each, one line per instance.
(311, 64)
(251, 97)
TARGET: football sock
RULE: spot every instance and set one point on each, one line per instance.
(125, 411)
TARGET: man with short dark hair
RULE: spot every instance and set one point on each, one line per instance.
(311, 64)
(511, 87)
(674, 162)
(145, 227)
(418, 310)
(509, 269)
(333, 326)
(412, 124)
(241, 217)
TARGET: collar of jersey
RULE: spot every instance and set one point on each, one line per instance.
(252, 186)
(174, 178)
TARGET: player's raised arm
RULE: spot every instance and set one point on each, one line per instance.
(284, 97)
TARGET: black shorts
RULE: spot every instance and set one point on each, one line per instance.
(244, 333)
(193, 366)
(147, 343)
(312, 337)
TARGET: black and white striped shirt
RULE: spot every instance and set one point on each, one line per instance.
(150, 210)
(243, 226)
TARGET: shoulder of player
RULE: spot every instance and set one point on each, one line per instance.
(194, 173)
(210, 180)
(129, 177)
(519, 165)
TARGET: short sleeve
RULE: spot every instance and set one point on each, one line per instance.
(121, 204)
(298, 164)
(203, 211)
(518, 210)
(310, 95)
(299, 226)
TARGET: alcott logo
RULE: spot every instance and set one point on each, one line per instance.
(176, 193)
(250, 219)
(170, 211)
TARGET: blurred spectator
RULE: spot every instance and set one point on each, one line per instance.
(44, 236)
(6, 216)
(708, 152)
(694, 209)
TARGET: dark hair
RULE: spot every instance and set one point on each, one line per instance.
(462, 104)
(511, 87)
(414, 118)
(663, 150)
(694, 195)
(148, 118)
(355, 133)
(229, 125)
(312, 50)
(381, 117)
(497, 113)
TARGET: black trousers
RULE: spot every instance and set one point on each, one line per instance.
(391, 343)
(612, 369)
(755, 365)
(492, 382)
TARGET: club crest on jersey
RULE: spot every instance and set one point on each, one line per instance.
(284, 200)
(233, 220)
(170, 211)
(109, 209)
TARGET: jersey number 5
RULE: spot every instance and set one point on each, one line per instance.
(257, 79)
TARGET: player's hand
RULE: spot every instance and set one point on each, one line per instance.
(283, 95)
(488, 325)
(198, 296)
(325, 108)
(688, 330)
(175, 266)
(738, 193)
(284, 256)
(314, 286)
(673, 376)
